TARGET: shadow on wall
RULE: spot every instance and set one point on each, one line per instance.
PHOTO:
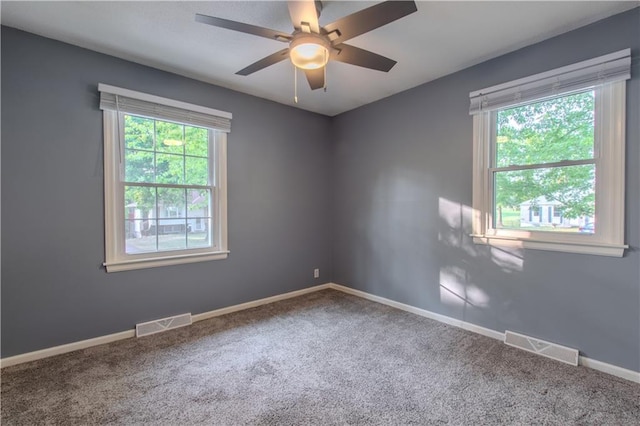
(470, 273)
(407, 244)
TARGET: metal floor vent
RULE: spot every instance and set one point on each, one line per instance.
(540, 347)
(164, 324)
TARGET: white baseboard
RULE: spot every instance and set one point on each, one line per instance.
(614, 370)
(259, 302)
(422, 312)
(83, 344)
(63, 349)
(631, 375)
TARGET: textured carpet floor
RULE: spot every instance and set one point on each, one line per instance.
(324, 358)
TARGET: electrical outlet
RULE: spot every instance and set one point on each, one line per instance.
(316, 273)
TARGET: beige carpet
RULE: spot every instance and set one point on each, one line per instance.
(324, 358)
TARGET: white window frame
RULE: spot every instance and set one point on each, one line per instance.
(116, 258)
(609, 159)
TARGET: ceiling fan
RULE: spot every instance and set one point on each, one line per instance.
(312, 46)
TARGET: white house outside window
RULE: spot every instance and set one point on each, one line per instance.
(549, 159)
(165, 180)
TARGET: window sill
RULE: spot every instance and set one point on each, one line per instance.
(610, 250)
(128, 265)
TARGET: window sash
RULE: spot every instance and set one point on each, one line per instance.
(536, 102)
(210, 159)
(168, 215)
(563, 163)
(493, 230)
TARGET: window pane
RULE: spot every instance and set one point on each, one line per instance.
(138, 132)
(169, 137)
(196, 141)
(199, 219)
(172, 231)
(198, 203)
(139, 202)
(557, 199)
(546, 132)
(140, 236)
(169, 168)
(171, 203)
(172, 234)
(198, 235)
(139, 211)
(197, 171)
(139, 166)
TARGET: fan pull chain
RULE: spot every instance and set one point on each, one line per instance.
(325, 72)
(295, 84)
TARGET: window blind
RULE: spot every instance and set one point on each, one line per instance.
(583, 75)
(138, 103)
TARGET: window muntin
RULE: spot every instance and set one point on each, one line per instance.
(168, 185)
(575, 192)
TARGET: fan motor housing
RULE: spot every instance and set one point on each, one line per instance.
(309, 50)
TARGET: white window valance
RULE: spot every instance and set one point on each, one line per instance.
(138, 103)
(593, 72)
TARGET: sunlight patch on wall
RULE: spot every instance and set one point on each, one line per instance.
(509, 261)
(455, 290)
(457, 218)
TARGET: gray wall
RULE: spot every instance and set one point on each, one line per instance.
(390, 183)
(54, 290)
(401, 197)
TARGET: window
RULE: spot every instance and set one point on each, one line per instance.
(165, 180)
(549, 159)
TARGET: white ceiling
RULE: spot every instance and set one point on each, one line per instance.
(441, 38)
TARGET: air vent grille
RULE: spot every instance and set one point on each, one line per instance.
(163, 324)
(540, 347)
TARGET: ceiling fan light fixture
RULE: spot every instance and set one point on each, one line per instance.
(309, 51)
(312, 46)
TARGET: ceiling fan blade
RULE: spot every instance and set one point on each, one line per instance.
(243, 28)
(362, 58)
(315, 78)
(369, 19)
(304, 11)
(265, 62)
